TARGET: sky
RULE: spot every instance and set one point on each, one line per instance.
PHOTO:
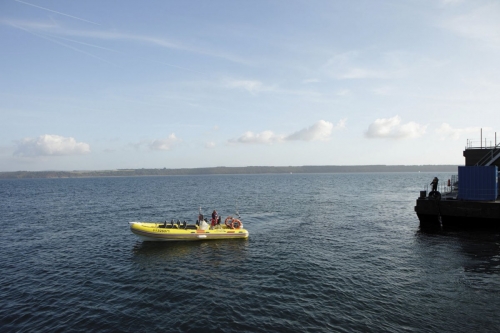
(118, 84)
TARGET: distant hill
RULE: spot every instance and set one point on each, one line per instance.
(229, 170)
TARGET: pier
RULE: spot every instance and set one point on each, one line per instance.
(469, 200)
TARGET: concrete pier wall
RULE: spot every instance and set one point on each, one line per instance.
(458, 213)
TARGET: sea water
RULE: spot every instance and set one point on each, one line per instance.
(326, 253)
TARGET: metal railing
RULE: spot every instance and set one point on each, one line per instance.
(449, 187)
(481, 144)
(490, 156)
(449, 190)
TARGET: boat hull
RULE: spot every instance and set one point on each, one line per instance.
(156, 232)
(458, 213)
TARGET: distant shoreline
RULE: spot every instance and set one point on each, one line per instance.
(228, 171)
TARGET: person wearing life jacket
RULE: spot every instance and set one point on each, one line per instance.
(214, 218)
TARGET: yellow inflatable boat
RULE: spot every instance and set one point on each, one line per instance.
(177, 231)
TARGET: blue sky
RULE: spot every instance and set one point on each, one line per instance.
(91, 85)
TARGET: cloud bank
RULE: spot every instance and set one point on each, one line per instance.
(320, 131)
(266, 137)
(50, 145)
(392, 128)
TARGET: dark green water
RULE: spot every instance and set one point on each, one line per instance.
(326, 253)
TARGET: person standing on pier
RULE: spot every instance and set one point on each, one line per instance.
(434, 184)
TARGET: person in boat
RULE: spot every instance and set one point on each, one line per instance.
(434, 184)
(214, 218)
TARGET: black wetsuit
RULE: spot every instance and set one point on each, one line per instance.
(434, 184)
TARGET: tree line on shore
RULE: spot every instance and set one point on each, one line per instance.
(229, 170)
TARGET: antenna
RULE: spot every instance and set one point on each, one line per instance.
(237, 213)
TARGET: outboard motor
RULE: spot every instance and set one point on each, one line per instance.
(184, 224)
(172, 223)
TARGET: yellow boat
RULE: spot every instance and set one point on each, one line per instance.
(177, 231)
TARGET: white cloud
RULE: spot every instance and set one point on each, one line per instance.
(266, 137)
(393, 129)
(340, 124)
(210, 145)
(164, 144)
(481, 24)
(320, 131)
(447, 132)
(51, 145)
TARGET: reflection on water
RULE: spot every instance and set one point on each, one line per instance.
(483, 250)
(233, 249)
(164, 250)
(480, 248)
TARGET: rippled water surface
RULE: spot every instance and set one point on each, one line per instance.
(326, 253)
